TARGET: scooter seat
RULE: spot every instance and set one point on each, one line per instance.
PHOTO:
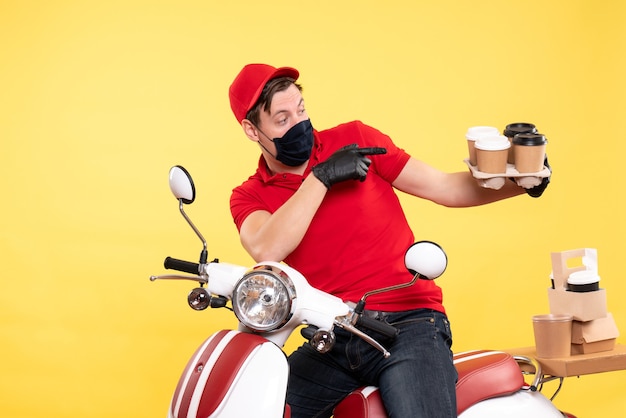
(485, 374)
(482, 374)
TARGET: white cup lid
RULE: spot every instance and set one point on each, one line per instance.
(476, 132)
(493, 143)
(583, 277)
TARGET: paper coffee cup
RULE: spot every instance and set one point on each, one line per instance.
(553, 335)
(491, 154)
(530, 152)
(473, 134)
(583, 281)
(513, 129)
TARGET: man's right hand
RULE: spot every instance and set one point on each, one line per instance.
(348, 163)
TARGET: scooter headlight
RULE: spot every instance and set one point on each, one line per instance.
(263, 298)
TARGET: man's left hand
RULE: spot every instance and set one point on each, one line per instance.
(538, 189)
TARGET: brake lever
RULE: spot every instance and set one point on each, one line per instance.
(194, 278)
(351, 328)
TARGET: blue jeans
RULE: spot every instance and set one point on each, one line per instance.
(417, 380)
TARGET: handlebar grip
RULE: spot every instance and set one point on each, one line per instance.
(181, 265)
(380, 327)
(308, 332)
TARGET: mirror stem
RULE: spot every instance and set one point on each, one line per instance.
(361, 305)
(204, 253)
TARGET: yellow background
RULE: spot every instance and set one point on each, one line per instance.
(99, 99)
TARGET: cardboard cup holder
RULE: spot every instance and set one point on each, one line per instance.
(575, 291)
(497, 180)
(563, 299)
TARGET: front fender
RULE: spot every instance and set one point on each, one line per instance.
(232, 374)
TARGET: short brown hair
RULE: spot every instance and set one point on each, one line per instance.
(265, 99)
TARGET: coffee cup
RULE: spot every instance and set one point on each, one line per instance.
(530, 152)
(513, 129)
(553, 335)
(583, 281)
(491, 154)
(473, 134)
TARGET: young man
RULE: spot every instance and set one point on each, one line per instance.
(324, 202)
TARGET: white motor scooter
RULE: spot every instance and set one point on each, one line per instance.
(244, 372)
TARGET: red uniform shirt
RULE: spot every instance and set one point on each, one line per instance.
(357, 239)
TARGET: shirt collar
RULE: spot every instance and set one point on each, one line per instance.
(267, 177)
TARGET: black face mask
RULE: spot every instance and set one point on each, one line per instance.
(294, 148)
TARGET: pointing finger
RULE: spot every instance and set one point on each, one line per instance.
(372, 151)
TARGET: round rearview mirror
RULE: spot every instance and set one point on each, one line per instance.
(426, 259)
(181, 184)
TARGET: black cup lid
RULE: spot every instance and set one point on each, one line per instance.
(519, 128)
(529, 138)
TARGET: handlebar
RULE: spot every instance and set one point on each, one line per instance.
(348, 322)
(181, 265)
(375, 325)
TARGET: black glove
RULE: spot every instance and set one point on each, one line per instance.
(538, 189)
(348, 163)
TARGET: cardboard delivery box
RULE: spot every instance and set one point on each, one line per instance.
(594, 336)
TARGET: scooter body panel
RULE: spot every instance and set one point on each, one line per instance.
(366, 403)
(522, 404)
(232, 375)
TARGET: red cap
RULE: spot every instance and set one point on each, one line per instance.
(249, 83)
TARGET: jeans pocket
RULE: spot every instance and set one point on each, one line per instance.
(424, 322)
(446, 331)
